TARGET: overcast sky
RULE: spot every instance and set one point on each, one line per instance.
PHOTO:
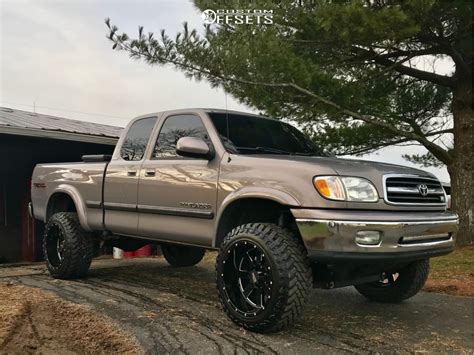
(54, 54)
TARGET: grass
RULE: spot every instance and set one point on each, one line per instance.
(453, 273)
(458, 263)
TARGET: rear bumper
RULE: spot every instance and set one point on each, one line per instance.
(331, 235)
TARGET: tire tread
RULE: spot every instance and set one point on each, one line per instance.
(79, 247)
(294, 271)
(412, 279)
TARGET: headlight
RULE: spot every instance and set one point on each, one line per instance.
(346, 188)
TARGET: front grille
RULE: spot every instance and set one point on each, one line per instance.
(413, 190)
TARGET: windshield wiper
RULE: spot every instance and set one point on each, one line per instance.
(308, 154)
(265, 150)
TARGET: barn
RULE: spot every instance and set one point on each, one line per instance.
(26, 139)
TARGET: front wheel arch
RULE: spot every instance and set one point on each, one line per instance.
(253, 210)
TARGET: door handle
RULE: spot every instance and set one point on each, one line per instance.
(132, 173)
(150, 172)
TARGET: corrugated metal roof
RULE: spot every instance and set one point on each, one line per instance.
(18, 119)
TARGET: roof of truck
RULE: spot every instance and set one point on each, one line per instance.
(25, 123)
(195, 110)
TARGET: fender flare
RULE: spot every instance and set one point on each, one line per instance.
(264, 193)
(76, 197)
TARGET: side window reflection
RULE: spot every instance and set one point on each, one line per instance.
(136, 140)
(174, 128)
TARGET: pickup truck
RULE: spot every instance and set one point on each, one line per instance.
(283, 216)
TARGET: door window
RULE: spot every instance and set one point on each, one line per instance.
(174, 128)
(136, 140)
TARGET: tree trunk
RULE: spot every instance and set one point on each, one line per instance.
(461, 168)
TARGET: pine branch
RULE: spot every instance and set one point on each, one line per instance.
(170, 57)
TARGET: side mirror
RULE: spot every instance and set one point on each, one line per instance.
(194, 148)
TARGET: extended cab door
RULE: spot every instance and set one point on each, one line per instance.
(177, 195)
(121, 180)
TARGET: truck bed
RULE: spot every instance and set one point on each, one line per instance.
(83, 181)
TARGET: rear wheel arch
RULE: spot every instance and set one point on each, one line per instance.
(66, 200)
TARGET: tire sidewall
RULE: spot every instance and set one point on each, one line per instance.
(410, 280)
(280, 284)
(55, 221)
(78, 247)
(182, 256)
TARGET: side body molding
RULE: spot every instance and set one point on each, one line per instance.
(78, 202)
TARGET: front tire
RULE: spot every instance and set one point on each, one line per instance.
(180, 255)
(394, 287)
(68, 249)
(263, 277)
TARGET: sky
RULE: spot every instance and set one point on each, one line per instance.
(55, 59)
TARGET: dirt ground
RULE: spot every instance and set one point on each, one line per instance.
(34, 321)
(176, 310)
(453, 274)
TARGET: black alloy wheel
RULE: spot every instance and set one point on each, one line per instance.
(248, 278)
(68, 249)
(263, 276)
(54, 244)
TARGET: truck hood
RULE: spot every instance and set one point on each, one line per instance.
(352, 167)
(368, 168)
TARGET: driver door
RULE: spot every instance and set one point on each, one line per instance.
(177, 195)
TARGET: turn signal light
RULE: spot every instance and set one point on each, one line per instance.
(330, 187)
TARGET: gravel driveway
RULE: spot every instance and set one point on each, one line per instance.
(177, 310)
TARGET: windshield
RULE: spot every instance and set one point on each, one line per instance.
(256, 135)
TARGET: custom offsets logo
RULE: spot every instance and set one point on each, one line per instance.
(238, 17)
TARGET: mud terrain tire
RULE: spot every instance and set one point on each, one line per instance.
(409, 282)
(68, 249)
(281, 273)
(180, 255)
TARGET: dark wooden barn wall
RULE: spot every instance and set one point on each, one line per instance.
(18, 156)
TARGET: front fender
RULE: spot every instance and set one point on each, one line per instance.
(265, 193)
(74, 194)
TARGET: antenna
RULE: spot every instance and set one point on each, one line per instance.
(34, 106)
(226, 114)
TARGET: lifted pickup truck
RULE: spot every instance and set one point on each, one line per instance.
(283, 217)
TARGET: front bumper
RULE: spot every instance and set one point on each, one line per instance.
(330, 235)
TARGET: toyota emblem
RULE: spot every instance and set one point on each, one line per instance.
(423, 189)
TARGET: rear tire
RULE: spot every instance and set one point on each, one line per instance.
(263, 277)
(180, 255)
(394, 287)
(68, 249)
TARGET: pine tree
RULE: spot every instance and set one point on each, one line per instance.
(356, 75)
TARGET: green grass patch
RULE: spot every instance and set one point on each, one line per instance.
(458, 263)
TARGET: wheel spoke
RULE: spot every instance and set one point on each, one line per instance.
(248, 290)
(234, 257)
(248, 273)
(252, 262)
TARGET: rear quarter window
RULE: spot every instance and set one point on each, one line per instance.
(135, 142)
